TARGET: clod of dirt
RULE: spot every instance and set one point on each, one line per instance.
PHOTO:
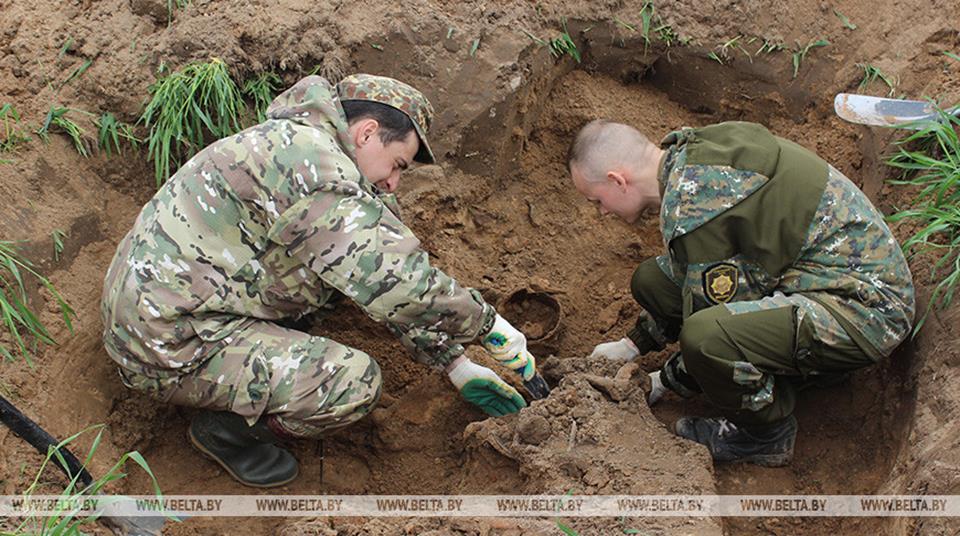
(580, 439)
(154, 9)
(533, 429)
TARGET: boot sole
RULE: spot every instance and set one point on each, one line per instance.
(203, 450)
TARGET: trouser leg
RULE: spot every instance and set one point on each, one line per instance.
(661, 298)
(745, 355)
(305, 385)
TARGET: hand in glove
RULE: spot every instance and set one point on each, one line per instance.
(622, 350)
(482, 387)
(657, 389)
(508, 346)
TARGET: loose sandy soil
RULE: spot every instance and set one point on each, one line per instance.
(499, 214)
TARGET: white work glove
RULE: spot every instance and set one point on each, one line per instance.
(508, 346)
(622, 350)
(482, 387)
(657, 389)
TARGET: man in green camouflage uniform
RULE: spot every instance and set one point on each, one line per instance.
(267, 226)
(777, 268)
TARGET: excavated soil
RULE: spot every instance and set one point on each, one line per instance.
(499, 213)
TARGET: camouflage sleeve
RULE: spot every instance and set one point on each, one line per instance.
(355, 244)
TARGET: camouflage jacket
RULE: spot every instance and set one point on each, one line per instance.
(745, 214)
(269, 224)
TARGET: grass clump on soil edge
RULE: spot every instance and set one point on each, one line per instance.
(68, 521)
(193, 106)
(930, 160)
(10, 134)
(261, 89)
(110, 131)
(21, 324)
(57, 117)
(187, 107)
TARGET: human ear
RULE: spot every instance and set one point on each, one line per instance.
(619, 179)
(367, 128)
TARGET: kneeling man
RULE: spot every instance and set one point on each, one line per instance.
(776, 269)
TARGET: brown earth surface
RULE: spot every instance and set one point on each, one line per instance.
(498, 213)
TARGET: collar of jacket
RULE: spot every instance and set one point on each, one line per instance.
(666, 165)
(313, 102)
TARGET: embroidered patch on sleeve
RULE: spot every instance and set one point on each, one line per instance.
(720, 282)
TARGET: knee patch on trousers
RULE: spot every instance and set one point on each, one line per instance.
(352, 393)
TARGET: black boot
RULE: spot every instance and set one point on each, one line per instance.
(248, 453)
(770, 445)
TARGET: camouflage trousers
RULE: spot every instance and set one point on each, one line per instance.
(305, 384)
(748, 358)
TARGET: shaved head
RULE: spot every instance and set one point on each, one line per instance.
(602, 146)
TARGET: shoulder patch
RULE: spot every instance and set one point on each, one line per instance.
(720, 282)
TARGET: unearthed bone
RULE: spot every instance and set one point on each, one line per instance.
(622, 385)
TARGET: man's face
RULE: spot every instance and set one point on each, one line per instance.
(612, 195)
(382, 163)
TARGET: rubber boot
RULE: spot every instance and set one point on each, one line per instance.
(248, 453)
(770, 445)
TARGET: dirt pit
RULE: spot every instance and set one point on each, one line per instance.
(499, 214)
(536, 314)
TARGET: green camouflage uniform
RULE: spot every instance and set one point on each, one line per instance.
(265, 226)
(776, 266)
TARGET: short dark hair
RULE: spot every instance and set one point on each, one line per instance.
(394, 124)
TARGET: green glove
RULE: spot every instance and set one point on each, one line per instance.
(482, 387)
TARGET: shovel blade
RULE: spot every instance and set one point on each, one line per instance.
(537, 387)
(878, 111)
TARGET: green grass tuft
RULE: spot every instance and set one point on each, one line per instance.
(871, 73)
(667, 34)
(769, 47)
(564, 44)
(110, 131)
(261, 89)
(82, 68)
(800, 53)
(647, 12)
(844, 20)
(68, 522)
(930, 160)
(722, 51)
(20, 322)
(10, 134)
(57, 117)
(188, 107)
(57, 236)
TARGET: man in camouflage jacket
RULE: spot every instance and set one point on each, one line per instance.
(776, 268)
(267, 226)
